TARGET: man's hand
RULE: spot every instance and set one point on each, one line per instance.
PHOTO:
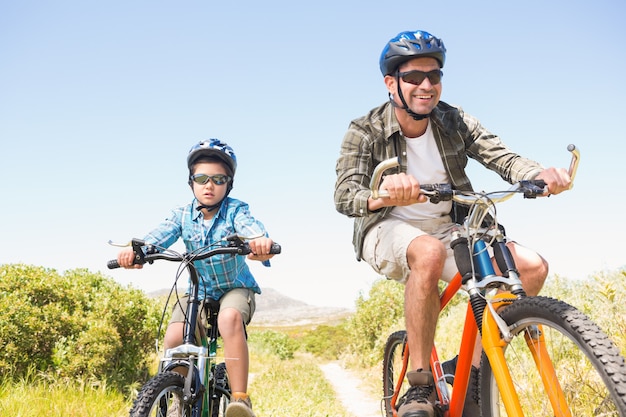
(557, 180)
(403, 190)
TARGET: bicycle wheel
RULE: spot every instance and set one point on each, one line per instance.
(392, 369)
(587, 365)
(220, 391)
(162, 396)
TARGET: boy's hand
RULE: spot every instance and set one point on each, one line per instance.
(260, 249)
(126, 257)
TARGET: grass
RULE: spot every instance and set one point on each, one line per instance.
(35, 397)
(279, 388)
(294, 387)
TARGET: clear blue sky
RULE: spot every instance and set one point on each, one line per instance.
(100, 102)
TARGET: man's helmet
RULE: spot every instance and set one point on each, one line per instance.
(408, 45)
(213, 148)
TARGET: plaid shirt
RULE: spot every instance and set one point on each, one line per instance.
(377, 136)
(221, 273)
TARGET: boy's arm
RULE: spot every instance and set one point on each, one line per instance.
(247, 226)
(168, 232)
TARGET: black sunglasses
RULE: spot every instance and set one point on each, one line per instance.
(417, 77)
(217, 179)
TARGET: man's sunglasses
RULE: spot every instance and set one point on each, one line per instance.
(417, 77)
(217, 179)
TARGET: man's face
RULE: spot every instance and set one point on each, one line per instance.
(421, 98)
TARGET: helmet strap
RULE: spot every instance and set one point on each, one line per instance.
(405, 106)
(216, 205)
(209, 208)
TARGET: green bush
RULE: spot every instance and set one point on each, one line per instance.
(602, 297)
(374, 318)
(274, 343)
(74, 325)
(326, 342)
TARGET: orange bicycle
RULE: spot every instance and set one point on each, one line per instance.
(541, 356)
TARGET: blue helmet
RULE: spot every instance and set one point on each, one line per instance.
(214, 148)
(408, 45)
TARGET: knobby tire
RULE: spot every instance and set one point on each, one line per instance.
(588, 366)
(220, 391)
(392, 366)
(159, 395)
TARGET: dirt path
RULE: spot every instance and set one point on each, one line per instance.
(355, 400)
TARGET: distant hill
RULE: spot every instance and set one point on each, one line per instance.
(276, 309)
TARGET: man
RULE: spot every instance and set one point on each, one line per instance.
(404, 236)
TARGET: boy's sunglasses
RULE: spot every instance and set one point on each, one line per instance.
(417, 77)
(217, 179)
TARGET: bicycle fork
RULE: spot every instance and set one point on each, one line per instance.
(194, 359)
(496, 334)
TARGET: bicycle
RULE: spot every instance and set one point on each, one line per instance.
(190, 381)
(541, 356)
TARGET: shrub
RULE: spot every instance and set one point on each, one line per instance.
(326, 342)
(374, 318)
(602, 297)
(274, 343)
(75, 325)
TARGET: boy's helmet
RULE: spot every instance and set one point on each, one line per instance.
(215, 148)
(408, 45)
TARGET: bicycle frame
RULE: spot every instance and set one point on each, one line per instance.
(493, 345)
(479, 277)
(195, 356)
(201, 389)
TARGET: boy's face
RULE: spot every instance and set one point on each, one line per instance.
(209, 193)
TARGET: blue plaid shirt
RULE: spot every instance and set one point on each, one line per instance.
(221, 273)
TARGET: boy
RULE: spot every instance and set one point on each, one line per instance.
(210, 217)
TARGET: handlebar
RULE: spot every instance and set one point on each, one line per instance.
(237, 245)
(444, 192)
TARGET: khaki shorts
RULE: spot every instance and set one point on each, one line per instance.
(241, 299)
(385, 245)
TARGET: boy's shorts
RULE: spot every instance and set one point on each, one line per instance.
(385, 245)
(241, 299)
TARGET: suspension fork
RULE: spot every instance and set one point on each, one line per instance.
(494, 333)
(494, 344)
(536, 343)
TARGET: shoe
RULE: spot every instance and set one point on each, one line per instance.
(471, 407)
(418, 401)
(239, 407)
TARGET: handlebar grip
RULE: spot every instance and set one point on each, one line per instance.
(275, 249)
(112, 264)
(573, 166)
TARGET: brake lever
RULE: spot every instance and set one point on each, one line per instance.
(532, 188)
(438, 192)
(140, 257)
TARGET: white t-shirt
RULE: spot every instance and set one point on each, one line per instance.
(425, 164)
